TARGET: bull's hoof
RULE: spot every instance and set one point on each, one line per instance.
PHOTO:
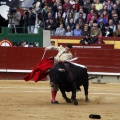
(75, 102)
(86, 100)
(68, 100)
(54, 102)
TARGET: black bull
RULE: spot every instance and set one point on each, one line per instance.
(69, 77)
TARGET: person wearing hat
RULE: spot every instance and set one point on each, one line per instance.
(100, 40)
(86, 40)
(64, 54)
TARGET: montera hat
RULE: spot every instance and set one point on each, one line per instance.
(69, 45)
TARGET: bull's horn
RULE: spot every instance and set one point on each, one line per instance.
(61, 70)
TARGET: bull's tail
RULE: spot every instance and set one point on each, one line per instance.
(92, 77)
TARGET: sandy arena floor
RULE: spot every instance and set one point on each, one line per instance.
(20, 100)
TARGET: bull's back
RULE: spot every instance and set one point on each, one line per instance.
(80, 74)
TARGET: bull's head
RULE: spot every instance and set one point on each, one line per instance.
(57, 76)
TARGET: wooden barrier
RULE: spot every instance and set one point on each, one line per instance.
(76, 40)
(17, 61)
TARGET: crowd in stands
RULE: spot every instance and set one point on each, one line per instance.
(73, 17)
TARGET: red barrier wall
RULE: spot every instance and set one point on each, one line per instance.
(19, 58)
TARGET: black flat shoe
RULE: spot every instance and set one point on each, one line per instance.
(55, 102)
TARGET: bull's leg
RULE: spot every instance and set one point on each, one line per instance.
(65, 96)
(86, 85)
(73, 97)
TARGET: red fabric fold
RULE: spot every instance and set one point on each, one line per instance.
(38, 73)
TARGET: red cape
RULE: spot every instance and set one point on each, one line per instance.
(38, 73)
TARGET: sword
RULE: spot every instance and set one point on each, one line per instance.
(43, 54)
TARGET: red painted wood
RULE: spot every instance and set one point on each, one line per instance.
(19, 58)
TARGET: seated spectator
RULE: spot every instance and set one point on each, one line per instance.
(90, 24)
(87, 40)
(87, 5)
(94, 18)
(98, 5)
(85, 30)
(77, 31)
(106, 15)
(68, 31)
(111, 25)
(89, 15)
(101, 24)
(66, 6)
(24, 43)
(71, 24)
(117, 31)
(101, 18)
(81, 22)
(82, 13)
(60, 19)
(100, 40)
(108, 32)
(115, 19)
(95, 32)
(60, 31)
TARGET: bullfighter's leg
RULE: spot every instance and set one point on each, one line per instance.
(73, 97)
(86, 85)
(54, 90)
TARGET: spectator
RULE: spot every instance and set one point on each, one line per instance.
(57, 7)
(87, 40)
(25, 19)
(85, 30)
(115, 19)
(100, 40)
(90, 24)
(80, 22)
(111, 25)
(24, 43)
(101, 18)
(71, 24)
(68, 31)
(87, 6)
(31, 20)
(72, 2)
(37, 7)
(98, 5)
(51, 25)
(95, 32)
(117, 31)
(108, 32)
(47, 19)
(60, 19)
(77, 31)
(106, 15)
(60, 31)
(14, 17)
(101, 24)
(89, 16)
(66, 6)
(81, 12)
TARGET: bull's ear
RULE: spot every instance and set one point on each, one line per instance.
(61, 70)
